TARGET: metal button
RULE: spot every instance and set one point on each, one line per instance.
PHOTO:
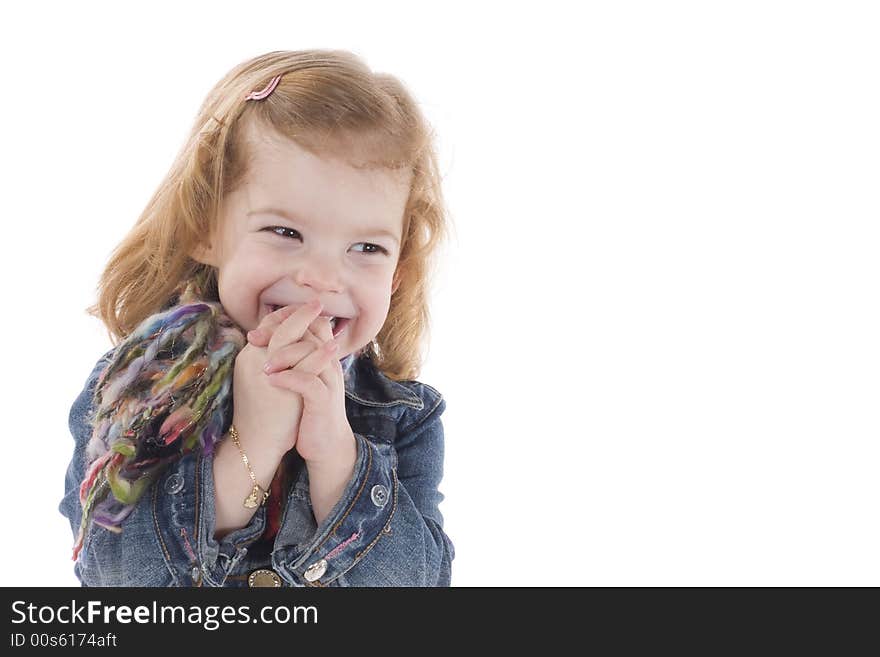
(264, 577)
(174, 484)
(194, 573)
(315, 571)
(379, 495)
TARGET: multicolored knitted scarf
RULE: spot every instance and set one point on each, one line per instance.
(165, 392)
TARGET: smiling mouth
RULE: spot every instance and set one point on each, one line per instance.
(337, 324)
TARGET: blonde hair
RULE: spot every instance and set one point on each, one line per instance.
(331, 104)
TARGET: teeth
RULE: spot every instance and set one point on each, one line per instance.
(333, 323)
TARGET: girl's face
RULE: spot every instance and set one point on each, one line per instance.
(302, 228)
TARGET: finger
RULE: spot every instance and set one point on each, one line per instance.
(318, 359)
(289, 356)
(312, 389)
(305, 313)
(294, 327)
(313, 337)
(332, 376)
(303, 379)
(259, 337)
(322, 328)
(263, 339)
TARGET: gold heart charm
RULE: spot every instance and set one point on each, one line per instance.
(252, 501)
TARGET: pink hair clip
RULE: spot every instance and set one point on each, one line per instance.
(260, 95)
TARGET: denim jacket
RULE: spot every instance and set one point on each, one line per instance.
(386, 530)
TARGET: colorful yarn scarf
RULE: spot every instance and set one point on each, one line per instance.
(164, 393)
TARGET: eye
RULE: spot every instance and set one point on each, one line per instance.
(284, 231)
(372, 248)
(275, 230)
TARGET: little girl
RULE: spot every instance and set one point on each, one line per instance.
(258, 422)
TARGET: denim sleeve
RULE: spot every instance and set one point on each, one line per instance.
(386, 529)
(167, 540)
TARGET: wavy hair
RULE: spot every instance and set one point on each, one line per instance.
(331, 104)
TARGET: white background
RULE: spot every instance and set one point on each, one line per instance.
(656, 328)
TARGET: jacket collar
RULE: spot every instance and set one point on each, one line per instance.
(366, 385)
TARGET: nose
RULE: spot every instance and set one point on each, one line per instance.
(318, 273)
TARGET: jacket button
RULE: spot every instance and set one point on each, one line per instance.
(264, 577)
(379, 495)
(174, 484)
(315, 571)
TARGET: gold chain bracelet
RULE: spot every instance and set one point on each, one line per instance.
(257, 496)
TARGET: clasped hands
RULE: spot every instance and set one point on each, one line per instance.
(301, 357)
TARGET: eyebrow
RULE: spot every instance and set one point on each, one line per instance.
(291, 218)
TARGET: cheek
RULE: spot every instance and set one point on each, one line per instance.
(243, 279)
(379, 310)
(251, 267)
(373, 309)
(379, 295)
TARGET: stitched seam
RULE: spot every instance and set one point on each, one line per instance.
(342, 545)
(198, 467)
(248, 541)
(424, 418)
(385, 530)
(156, 523)
(432, 389)
(356, 497)
(197, 505)
(189, 550)
(256, 537)
(159, 534)
(408, 402)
